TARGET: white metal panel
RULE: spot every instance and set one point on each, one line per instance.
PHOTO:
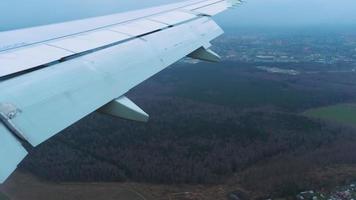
(11, 153)
(201, 4)
(208, 24)
(90, 40)
(21, 37)
(138, 27)
(214, 8)
(173, 17)
(29, 57)
(53, 98)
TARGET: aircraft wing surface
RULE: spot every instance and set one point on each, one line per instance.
(52, 76)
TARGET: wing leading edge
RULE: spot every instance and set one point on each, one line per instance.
(48, 82)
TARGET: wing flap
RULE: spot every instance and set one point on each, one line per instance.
(27, 58)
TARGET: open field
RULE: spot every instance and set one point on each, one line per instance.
(341, 113)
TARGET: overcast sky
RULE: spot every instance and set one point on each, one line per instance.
(294, 12)
(22, 13)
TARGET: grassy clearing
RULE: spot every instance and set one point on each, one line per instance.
(342, 113)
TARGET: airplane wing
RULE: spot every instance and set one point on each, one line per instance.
(54, 75)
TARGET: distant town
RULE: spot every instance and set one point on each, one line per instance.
(289, 48)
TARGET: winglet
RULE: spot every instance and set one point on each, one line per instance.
(205, 54)
(124, 108)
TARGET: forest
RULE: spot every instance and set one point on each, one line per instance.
(229, 124)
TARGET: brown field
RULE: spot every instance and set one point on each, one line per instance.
(26, 187)
(22, 186)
